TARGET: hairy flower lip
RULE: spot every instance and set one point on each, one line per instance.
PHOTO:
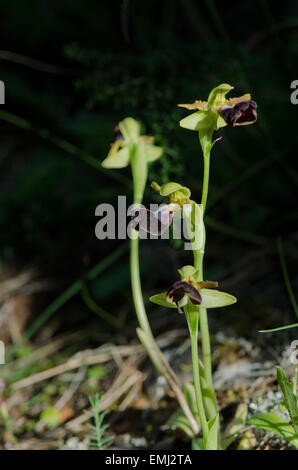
(181, 288)
(241, 114)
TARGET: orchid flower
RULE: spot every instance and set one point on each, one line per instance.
(218, 111)
(126, 135)
(157, 222)
(189, 289)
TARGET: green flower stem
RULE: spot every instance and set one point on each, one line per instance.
(295, 379)
(205, 180)
(205, 137)
(192, 320)
(205, 379)
(209, 397)
(206, 144)
(205, 337)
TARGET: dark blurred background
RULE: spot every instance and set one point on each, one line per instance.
(72, 70)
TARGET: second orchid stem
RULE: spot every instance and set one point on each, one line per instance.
(192, 320)
(206, 144)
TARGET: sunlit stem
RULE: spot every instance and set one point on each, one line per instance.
(192, 320)
(206, 144)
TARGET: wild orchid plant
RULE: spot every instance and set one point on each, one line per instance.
(191, 295)
(131, 148)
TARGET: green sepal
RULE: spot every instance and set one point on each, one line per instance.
(119, 159)
(161, 299)
(153, 152)
(130, 129)
(211, 298)
(199, 120)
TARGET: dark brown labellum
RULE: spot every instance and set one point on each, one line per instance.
(241, 114)
(179, 289)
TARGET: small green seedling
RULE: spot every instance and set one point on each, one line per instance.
(98, 439)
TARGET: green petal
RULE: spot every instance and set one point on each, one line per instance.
(170, 188)
(119, 159)
(153, 153)
(160, 299)
(212, 298)
(198, 120)
(130, 129)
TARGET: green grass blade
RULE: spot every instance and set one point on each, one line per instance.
(280, 328)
